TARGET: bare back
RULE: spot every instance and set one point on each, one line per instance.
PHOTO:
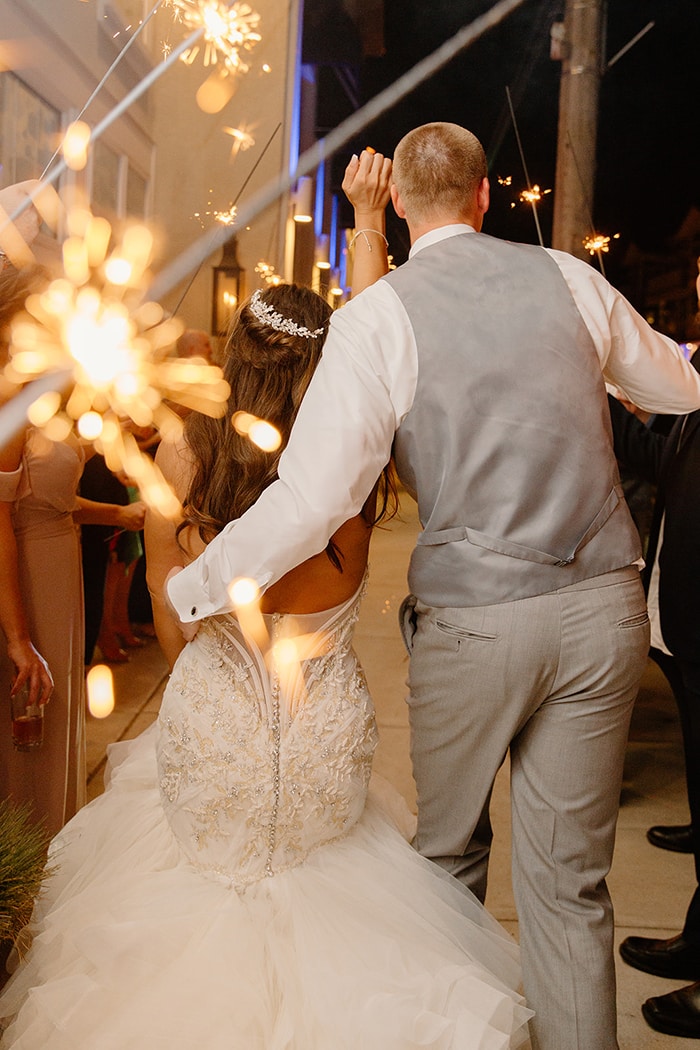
(311, 587)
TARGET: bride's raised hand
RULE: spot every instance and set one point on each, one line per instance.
(366, 184)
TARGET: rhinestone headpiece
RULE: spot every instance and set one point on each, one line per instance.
(267, 315)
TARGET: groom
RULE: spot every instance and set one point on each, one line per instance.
(527, 623)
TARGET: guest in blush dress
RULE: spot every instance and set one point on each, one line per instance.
(41, 602)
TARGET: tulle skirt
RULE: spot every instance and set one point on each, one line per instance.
(364, 946)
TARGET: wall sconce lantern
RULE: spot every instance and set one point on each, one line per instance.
(229, 286)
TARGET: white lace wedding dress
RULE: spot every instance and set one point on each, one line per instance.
(235, 888)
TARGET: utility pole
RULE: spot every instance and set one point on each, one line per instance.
(580, 46)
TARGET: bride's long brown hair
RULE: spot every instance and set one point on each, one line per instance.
(268, 372)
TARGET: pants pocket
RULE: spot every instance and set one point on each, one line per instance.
(463, 632)
(408, 621)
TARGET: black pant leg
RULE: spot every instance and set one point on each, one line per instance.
(689, 706)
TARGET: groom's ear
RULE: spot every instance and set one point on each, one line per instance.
(483, 195)
(396, 201)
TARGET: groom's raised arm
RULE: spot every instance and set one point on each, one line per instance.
(339, 444)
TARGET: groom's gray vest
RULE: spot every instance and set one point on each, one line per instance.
(508, 444)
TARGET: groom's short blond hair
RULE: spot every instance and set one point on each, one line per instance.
(437, 170)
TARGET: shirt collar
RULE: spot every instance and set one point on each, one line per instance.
(439, 234)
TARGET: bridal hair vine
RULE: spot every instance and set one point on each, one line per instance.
(267, 315)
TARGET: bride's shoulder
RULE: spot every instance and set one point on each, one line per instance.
(174, 458)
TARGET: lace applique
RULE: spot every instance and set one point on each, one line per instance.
(257, 771)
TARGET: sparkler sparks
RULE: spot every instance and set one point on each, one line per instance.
(228, 217)
(598, 242)
(533, 195)
(229, 31)
(242, 140)
(92, 325)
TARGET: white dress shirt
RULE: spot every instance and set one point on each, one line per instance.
(362, 389)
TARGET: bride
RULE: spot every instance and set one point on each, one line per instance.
(241, 885)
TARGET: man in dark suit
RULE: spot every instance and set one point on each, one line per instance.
(673, 563)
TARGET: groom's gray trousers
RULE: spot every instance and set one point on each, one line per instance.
(553, 678)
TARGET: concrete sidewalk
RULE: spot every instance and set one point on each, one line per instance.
(650, 888)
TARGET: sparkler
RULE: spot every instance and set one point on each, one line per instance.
(598, 242)
(533, 195)
(193, 256)
(228, 217)
(532, 201)
(104, 124)
(92, 328)
(242, 140)
(229, 30)
(109, 72)
(232, 212)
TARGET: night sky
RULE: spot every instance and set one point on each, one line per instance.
(649, 117)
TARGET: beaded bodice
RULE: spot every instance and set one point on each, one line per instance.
(264, 758)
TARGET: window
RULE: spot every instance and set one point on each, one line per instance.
(29, 131)
(136, 187)
(105, 180)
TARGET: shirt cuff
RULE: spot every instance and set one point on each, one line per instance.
(186, 597)
(9, 484)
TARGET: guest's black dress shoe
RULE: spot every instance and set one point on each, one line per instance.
(672, 958)
(677, 1013)
(676, 837)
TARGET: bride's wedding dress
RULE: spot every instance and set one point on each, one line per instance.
(235, 888)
